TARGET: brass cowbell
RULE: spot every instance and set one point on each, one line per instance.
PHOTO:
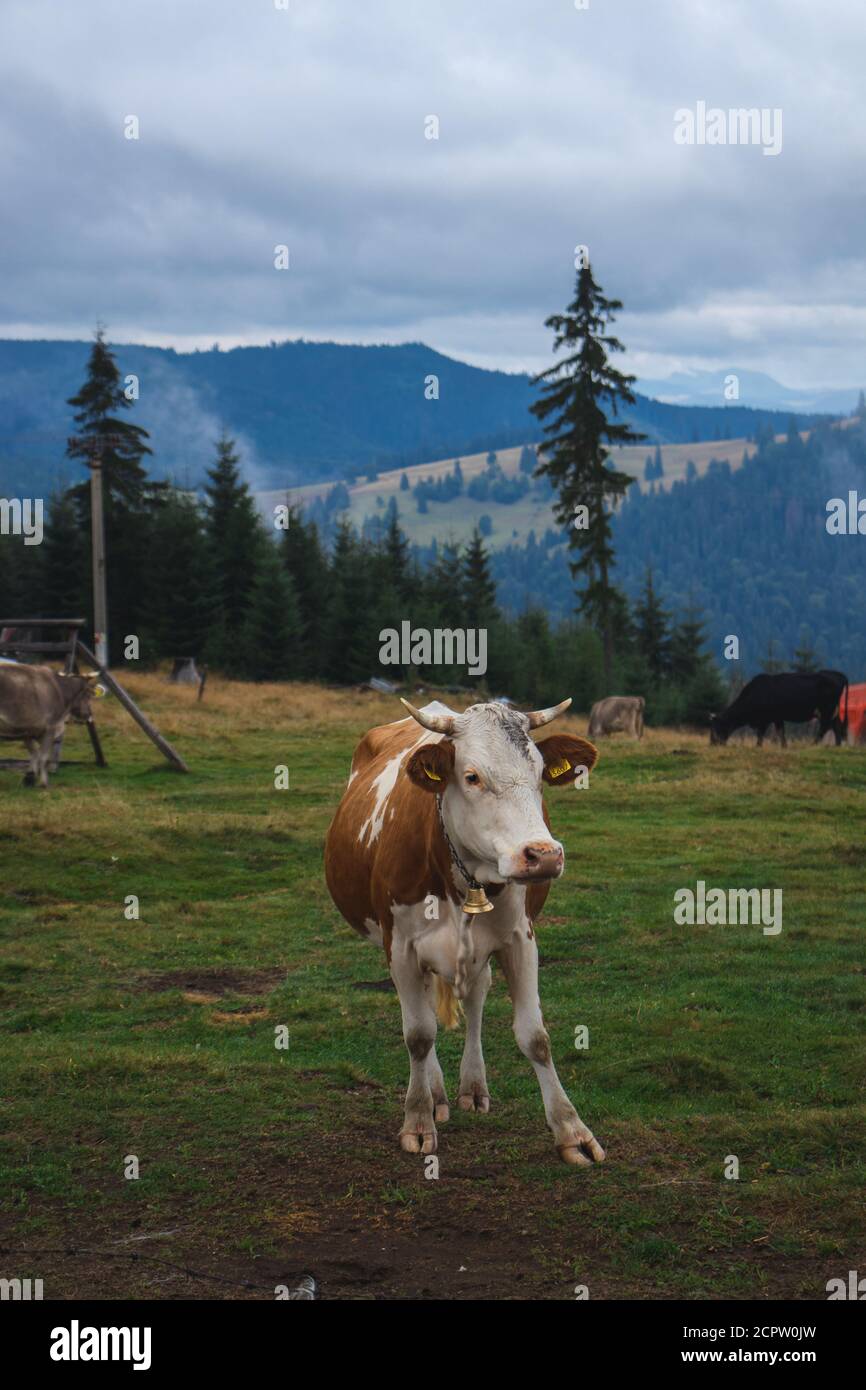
(477, 901)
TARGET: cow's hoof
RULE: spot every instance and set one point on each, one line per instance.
(420, 1143)
(582, 1155)
(442, 1113)
(477, 1101)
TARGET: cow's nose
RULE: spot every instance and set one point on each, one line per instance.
(542, 858)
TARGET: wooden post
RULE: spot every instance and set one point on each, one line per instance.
(100, 606)
(132, 708)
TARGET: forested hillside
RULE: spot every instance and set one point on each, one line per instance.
(749, 548)
(300, 411)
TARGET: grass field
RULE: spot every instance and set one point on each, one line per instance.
(155, 1037)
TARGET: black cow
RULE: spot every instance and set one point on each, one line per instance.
(793, 695)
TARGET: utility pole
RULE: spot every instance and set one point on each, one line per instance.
(95, 445)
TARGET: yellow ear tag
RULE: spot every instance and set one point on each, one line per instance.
(557, 771)
(434, 776)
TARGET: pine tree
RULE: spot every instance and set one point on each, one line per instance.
(269, 637)
(65, 559)
(528, 461)
(182, 599)
(235, 537)
(446, 585)
(396, 555)
(96, 414)
(652, 630)
(687, 643)
(479, 589)
(349, 638)
(575, 397)
(128, 494)
(658, 465)
(805, 657)
(307, 566)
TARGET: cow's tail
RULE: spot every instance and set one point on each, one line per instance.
(447, 1008)
(844, 717)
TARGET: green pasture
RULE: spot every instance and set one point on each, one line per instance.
(155, 1037)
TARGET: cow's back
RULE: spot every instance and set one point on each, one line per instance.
(380, 845)
(30, 701)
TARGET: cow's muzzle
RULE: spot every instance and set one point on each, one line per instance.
(536, 862)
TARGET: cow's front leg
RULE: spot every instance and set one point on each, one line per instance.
(519, 961)
(32, 772)
(472, 1091)
(441, 1111)
(415, 988)
(46, 743)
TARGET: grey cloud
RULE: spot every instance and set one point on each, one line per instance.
(260, 127)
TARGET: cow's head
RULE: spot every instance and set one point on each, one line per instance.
(719, 731)
(489, 772)
(78, 691)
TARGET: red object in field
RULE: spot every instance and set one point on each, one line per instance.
(856, 713)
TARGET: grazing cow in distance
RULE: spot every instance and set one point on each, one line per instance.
(439, 806)
(617, 714)
(35, 704)
(793, 696)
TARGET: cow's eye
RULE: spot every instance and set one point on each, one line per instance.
(472, 779)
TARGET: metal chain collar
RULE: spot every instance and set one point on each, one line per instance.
(455, 857)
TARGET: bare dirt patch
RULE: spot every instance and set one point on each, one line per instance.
(215, 983)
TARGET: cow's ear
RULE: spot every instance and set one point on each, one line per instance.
(431, 765)
(565, 756)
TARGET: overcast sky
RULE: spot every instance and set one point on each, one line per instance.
(306, 126)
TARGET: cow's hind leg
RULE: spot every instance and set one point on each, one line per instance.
(473, 1093)
(575, 1142)
(418, 1134)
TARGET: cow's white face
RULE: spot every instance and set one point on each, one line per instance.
(488, 773)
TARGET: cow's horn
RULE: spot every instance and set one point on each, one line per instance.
(537, 717)
(438, 723)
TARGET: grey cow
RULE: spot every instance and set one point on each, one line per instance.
(617, 714)
(35, 704)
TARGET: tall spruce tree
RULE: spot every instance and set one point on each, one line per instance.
(579, 394)
(181, 595)
(269, 637)
(65, 557)
(235, 536)
(97, 413)
(307, 566)
(128, 493)
(687, 643)
(479, 588)
(652, 630)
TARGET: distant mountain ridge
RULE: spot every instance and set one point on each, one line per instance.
(300, 411)
(756, 389)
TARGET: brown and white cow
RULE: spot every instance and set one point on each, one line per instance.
(428, 813)
(35, 705)
(617, 714)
